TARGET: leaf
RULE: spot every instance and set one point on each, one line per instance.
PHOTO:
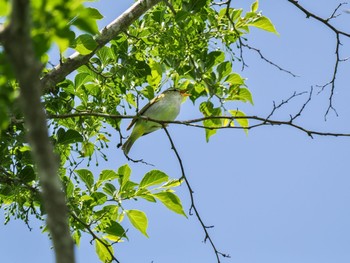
(242, 94)
(99, 198)
(103, 253)
(115, 229)
(84, 44)
(254, 7)
(224, 69)
(86, 176)
(105, 54)
(69, 136)
(109, 189)
(81, 79)
(76, 237)
(207, 108)
(87, 149)
(171, 201)
(148, 197)
(124, 173)
(172, 183)
(234, 79)
(92, 13)
(106, 175)
(27, 174)
(156, 74)
(153, 177)
(241, 121)
(139, 220)
(263, 23)
(214, 58)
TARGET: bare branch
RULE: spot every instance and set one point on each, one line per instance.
(318, 18)
(193, 206)
(338, 33)
(27, 68)
(107, 34)
(266, 59)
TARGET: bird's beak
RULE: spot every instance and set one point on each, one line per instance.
(184, 94)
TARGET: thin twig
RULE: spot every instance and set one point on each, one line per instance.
(193, 206)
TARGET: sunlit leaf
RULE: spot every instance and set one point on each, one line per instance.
(264, 23)
(254, 7)
(171, 201)
(84, 44)
(103, 250)
(139, 220)
(153, 177)
(86, 176)
(241, 121)
(87, 149)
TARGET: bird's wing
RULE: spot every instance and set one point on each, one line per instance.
(144, 109)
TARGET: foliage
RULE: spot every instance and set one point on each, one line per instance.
(189, 46)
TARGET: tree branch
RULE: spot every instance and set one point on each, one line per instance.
(27, 68)
(262, 121)
(338, 33)
(107, 34)
(193, 206)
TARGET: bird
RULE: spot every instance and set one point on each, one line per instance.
(164, 107)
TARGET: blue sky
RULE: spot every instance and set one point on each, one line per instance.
(273, 196)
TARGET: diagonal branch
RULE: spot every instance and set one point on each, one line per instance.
(193, 206)
(107, 34)
(27, 68)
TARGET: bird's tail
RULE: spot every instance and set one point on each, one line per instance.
(127, 145)
(130, 141)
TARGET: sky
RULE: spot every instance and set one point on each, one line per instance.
(274, 195)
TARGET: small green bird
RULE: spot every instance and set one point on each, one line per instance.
(164, 107)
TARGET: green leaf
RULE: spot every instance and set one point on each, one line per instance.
(81, 79)
(105, 54)
(224, 69)
(109, 189)
(139, 220)
(115, 229)
(153, 177)
(214, 58)
(92, 13)
(241, 121)
(102, 251)
(254, 7)
(148, 197)
(106, 175)
(99, 198)
(207, 108)
(171, 201)
(87, 149)
(84, 44)
(27, 174)
(76, 237)
(234, 79)
(124, 173)
(263, 23)
(69, 136)
(242, 94)
(156, 73)
(86, 176)
(172, 183)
